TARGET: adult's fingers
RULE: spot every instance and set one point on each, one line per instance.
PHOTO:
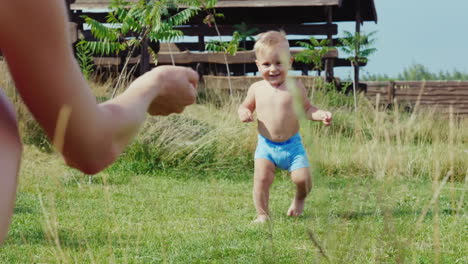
(193, 77)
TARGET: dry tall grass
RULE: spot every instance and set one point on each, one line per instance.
(370, 142)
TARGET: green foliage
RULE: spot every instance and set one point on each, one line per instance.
(34, 134)
(245, 33)
(241, 34)
(180, 141)
(313, 53)
(376, 77)
(419, 72)
(230, 47)
(358, 46)
(85, 59)
(144, 20)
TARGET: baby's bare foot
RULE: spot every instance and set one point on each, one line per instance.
(261, 219)
(296, 208)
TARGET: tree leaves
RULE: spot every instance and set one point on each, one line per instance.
(358, 46)
(313, 53)
(129, 23)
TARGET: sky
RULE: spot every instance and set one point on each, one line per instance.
(433, 33)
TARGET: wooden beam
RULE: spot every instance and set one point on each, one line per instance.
(73, 32)
(100, 4)
(92, 4)
(181, 46)
(275, 3)
(290, 29)
(429, 84)
(293, 42)
(340, 62)
(241, 57)
(243, 61)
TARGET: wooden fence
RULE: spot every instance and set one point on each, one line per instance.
(408, 94)
(214, 62)
(441, 94)
(242, 83)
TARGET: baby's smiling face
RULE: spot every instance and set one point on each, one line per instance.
(273, 64)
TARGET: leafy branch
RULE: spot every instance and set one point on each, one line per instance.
(313, 53)
(358, 46)
(133, 24)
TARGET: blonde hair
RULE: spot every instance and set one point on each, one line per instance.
(270, 40)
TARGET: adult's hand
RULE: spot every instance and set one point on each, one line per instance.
(176, 88)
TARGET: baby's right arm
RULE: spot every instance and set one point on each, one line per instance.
(247, 107)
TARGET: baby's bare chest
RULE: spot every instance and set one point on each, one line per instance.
(274, 100)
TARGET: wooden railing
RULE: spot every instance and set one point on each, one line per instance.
(188, 57)
(213, 62)
(441, 94)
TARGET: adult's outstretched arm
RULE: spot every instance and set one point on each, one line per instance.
(34, 39)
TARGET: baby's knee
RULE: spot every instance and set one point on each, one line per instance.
(264, 179)
(302, 179)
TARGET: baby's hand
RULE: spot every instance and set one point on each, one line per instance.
(324, 116)
(176, 88)
(245, 115)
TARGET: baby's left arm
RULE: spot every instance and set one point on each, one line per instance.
(312, 112)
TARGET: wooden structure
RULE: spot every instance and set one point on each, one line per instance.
(408, 94)
(295, 17)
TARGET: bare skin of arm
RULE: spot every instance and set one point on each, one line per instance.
(312, 112)
(35, 43)
(48, 78)
(246, 109)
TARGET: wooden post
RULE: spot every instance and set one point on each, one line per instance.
(68, 4)
(305, 70)
(72, 26)
(329, 74)
(201, 47)
(390, 92)
(358, 30)
(144, 56)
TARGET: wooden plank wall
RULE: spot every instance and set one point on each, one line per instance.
(441, 94)
(215, 62)
(187, 57)
(242, 83)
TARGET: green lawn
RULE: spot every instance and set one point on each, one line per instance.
(62, 216)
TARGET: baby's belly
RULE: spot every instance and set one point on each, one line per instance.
(278, 130)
